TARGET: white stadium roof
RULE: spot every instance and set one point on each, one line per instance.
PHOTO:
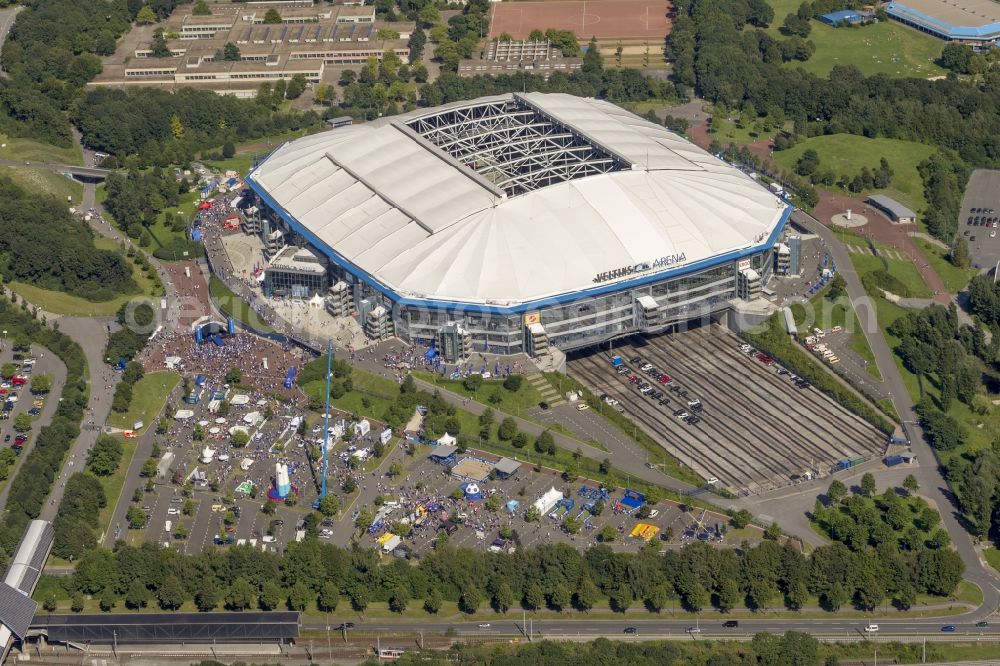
(515, 198)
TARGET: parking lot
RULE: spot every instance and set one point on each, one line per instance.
(429, 485)
(757, 430)
(979, 221)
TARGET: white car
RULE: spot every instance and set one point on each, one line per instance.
(268, 539)
(712, 480)
(582, 407)
(172, 511)
(654, 513)
(683, 415)
(871, 628)
(693, 630)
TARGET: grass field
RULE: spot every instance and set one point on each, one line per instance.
(36, 151)
(148, 397)
(955, 279)
(113, 484)
(992, 555)
(846, 154)
(58, 302)
(904, 271)
(726, 131)
(40, 179)
(883, 48)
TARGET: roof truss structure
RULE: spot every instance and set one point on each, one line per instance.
(514, 145)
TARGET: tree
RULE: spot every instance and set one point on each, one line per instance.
(41, 383)
(145, 16)
(239, 438)
(910, 484)
(234, 375)
(22, 422)
(399, 599)
(272, 16)
(559, 598)
(470, 600)
(207, 596)
(837, 491)
(586, 595)
(836, 597)
(8, 370)
(171, 594)
(136, 517)
(329, 597)
(868, 484)
(299, 596)
(137, 595)
(773, 532)
(329, 505)
(270, 595)
(507, 429)
(201, 8)
(658, 598)
(741, 519)
(324, 93)
(108, 599)
(432, 603)
(105, 456)
(534, 598)
(503, 597)
(593, 62)
(241, 595)
(296, 86)
(359, 599)
(607, 534)
(960, 256)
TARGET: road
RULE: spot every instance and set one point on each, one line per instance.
(48, 363)
(710, 628)
(90, 334)
(932, 483)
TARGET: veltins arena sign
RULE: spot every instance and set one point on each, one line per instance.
(641, 267)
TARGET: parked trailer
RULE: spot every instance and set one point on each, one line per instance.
(892, 461)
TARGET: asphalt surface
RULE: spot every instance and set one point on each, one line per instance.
(932, 483)
(47, 363)
(710, 628)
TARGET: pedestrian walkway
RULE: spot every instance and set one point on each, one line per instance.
(543, 386)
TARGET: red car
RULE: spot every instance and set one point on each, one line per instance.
(664, 378)
(18, 380)
(634, 379)
(21, 439)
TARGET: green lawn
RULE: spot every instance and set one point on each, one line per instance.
(884, 48)
(163, 231)
(992, 555)
(148, 397)
(235, 306)
(58, 302)
(955, 279)
(45, 180)
(846, 154)
(902, 270)
(36, 151)
(727, 131)
(517, 403)
(113, 484)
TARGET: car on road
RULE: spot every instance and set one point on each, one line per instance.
(173, 512)
(693, 630)
(582, 407)
(484, 625)
(731, 624)
(631, 630)
(948, 628)
(982, 623)
(871, 628)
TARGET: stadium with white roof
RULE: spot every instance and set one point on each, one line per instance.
(514, 222)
